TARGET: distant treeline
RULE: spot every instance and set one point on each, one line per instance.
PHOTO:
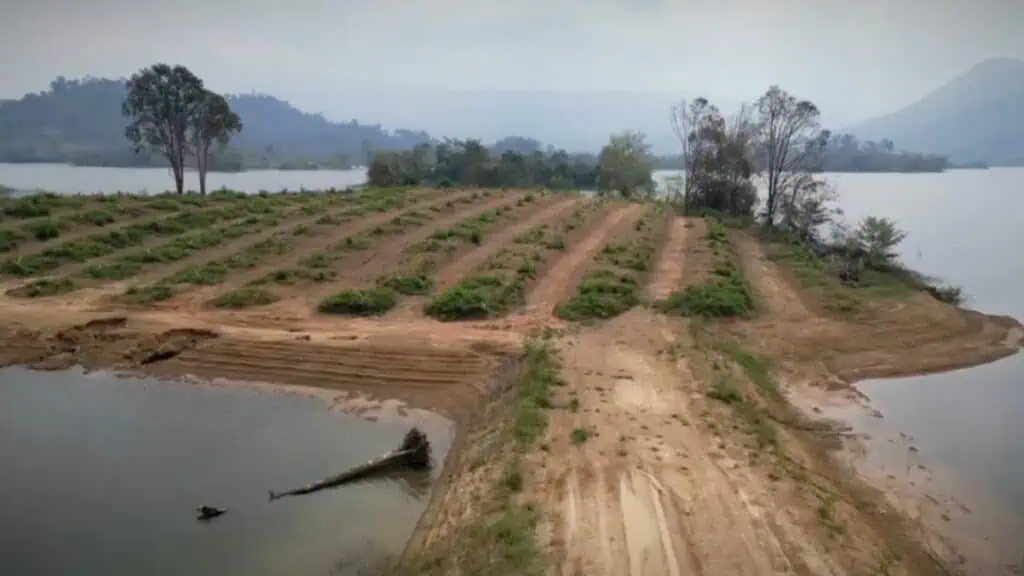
(844, 153)
(510, 164)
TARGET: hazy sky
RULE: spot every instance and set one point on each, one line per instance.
(356, 58)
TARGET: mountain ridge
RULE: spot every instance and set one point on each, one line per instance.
(977, 116)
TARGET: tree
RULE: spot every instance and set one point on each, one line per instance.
(212, 122)
(878, 238)
(694, 125)
(625, 165)
(160, 105)
(791, 142)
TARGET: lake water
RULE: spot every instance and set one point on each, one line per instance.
(67, 179)
(965, 227)
(102, 476)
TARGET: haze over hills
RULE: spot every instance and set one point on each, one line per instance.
(976, 117)
(79, 121)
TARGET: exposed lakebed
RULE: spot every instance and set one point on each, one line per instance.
(102, 475)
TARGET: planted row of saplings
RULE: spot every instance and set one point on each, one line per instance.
(725, 294)
(611, 285)
(323, 266)
(45, 217)
(279, 243)
(415, 276)
(103, 243)
(500, 285)
(194, 235)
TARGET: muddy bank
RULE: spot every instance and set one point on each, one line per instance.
(421, 375)
(943, 448)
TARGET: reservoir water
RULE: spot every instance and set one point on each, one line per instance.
(102, 475)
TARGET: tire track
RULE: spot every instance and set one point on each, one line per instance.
(668, 272)
(554, 285)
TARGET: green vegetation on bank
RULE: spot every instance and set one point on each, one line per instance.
(500, 540)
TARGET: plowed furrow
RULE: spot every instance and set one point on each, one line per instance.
(366, 365)
(668, 271)
(314, 371)
(775, 294)
(558, 282)
(301, 250)
(338, 354)
(452, 273)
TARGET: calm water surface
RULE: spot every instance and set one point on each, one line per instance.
(965, 226)
(66, 179)
(102, 476)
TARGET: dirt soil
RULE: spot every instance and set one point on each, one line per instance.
(667, 482)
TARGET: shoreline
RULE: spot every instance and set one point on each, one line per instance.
(672, 437)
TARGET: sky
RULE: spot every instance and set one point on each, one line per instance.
(459, 66)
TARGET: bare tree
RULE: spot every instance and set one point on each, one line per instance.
(682, 125)
(791, 142)
(695, 124)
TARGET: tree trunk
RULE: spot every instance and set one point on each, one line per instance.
(201, 160)
(179, 179)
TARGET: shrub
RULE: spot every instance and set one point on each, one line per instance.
(245, 297)
(417, 285)
(602, 294)
(149, 294)
(476, 297)
(363, 302)
(44, 229)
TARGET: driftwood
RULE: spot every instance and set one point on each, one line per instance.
(413, 453)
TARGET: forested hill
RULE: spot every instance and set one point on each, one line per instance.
(80, 122)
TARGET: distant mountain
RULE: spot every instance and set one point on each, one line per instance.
(977, 117)
(79, 121)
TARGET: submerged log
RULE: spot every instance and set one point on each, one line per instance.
(413, 453)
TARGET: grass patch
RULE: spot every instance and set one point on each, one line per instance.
(245, 297)
(476, 297)
(363, 302)
(113, 271)
(724, 391)
(44, 287)
(149, 294)
(540, 374)
(410, 285)
(579, 436)
(726, 294)
(43, 230)
(601, 294)
(9, 240)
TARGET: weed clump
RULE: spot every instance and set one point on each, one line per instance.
(602, 294)
(414, 285)
(363, 302)
(245, 297)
